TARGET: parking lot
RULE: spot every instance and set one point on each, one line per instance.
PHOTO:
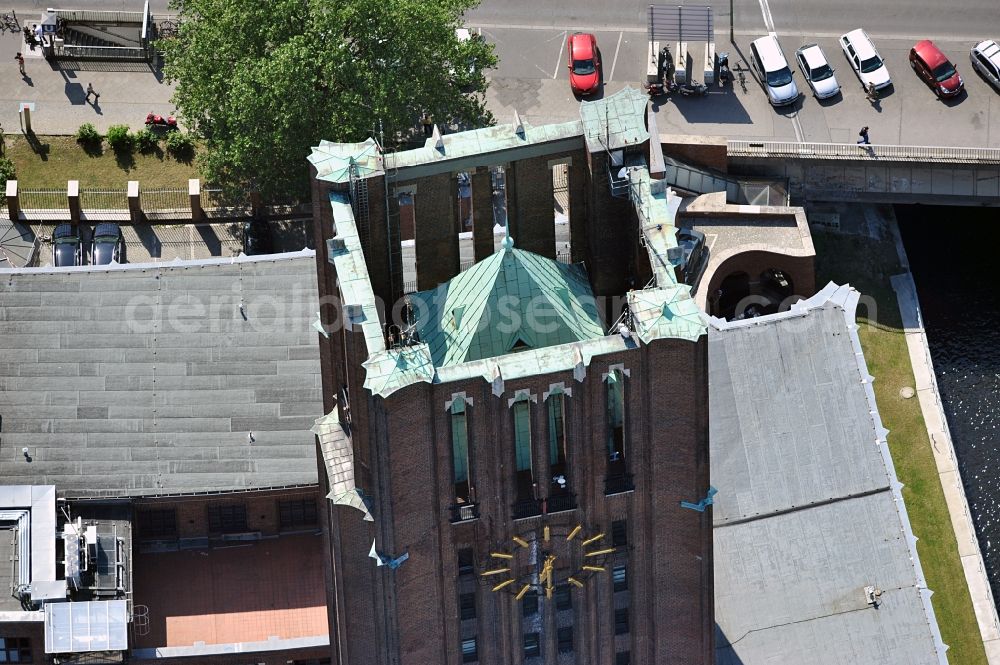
(532, 78)
(153, 243)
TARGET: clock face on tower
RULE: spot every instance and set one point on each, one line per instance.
(542, 559)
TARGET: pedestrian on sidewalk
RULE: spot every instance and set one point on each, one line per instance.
(864, 136)
(20, 63)
(90, 91)
(428, 124)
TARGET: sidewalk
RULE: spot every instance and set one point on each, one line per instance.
(58, 89)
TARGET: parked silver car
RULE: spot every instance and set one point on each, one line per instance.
(985, 58)
(66, 247)
(817, 70)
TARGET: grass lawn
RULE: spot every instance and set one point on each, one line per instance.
(57, 159)
(867, 264)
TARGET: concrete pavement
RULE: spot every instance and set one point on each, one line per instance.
(128, 90)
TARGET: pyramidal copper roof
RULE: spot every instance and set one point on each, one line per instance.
(510, 302)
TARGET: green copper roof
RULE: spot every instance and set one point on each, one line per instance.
(615, 121)
(510, 302)
(514, 314)
(666, 312)
(333, 160)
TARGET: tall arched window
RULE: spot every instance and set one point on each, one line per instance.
(521, 410)
(558, 466)
(460, 456)
(616, 421)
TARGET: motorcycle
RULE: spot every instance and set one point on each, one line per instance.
(656, 89)
(725, 75)
(154, 120)
(693, 89)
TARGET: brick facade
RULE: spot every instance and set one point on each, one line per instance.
(404, 462)
(437, 225)
(310, 656)
(668, 462)
(192, 512)
(33, 632)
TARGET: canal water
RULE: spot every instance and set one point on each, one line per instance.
(954, 255)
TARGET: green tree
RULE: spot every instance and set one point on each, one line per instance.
(262, 82)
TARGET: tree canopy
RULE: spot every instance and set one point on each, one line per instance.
(262, 82)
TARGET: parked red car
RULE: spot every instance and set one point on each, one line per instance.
(584, 63)
(935, 69)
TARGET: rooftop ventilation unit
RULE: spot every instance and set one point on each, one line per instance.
(95, 558)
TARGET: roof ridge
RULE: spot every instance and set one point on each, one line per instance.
(483, 290)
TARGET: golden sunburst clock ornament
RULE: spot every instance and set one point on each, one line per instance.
(544, 558)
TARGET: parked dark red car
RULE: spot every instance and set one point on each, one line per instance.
(584, 63)
(935, 69)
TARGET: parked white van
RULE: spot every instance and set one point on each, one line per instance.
(773, 70)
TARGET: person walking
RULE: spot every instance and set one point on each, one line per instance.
(90, 91)
(871, 93)
(428, 124)
(864, 136)
(20, 63)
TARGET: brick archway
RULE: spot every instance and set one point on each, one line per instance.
(799, 270)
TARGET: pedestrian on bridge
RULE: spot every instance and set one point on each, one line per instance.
(864, 135)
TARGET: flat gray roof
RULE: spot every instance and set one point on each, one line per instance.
(149, 379)
(808, 511)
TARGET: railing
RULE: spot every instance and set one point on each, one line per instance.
(213, 197)
(618, 483)
(558, 503)
(166, 199)
(526, 508)
(97, 16)
(464, 512)
(863, 152)
(43, 199)
(619, 186)
(97, 199)
(103, 52)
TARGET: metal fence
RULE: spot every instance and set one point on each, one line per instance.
(862, 152)
(95, 16)
(164, 199)
(213, 197)
(674, 23)
(104, 199)
(102, 52)
(43, 199)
